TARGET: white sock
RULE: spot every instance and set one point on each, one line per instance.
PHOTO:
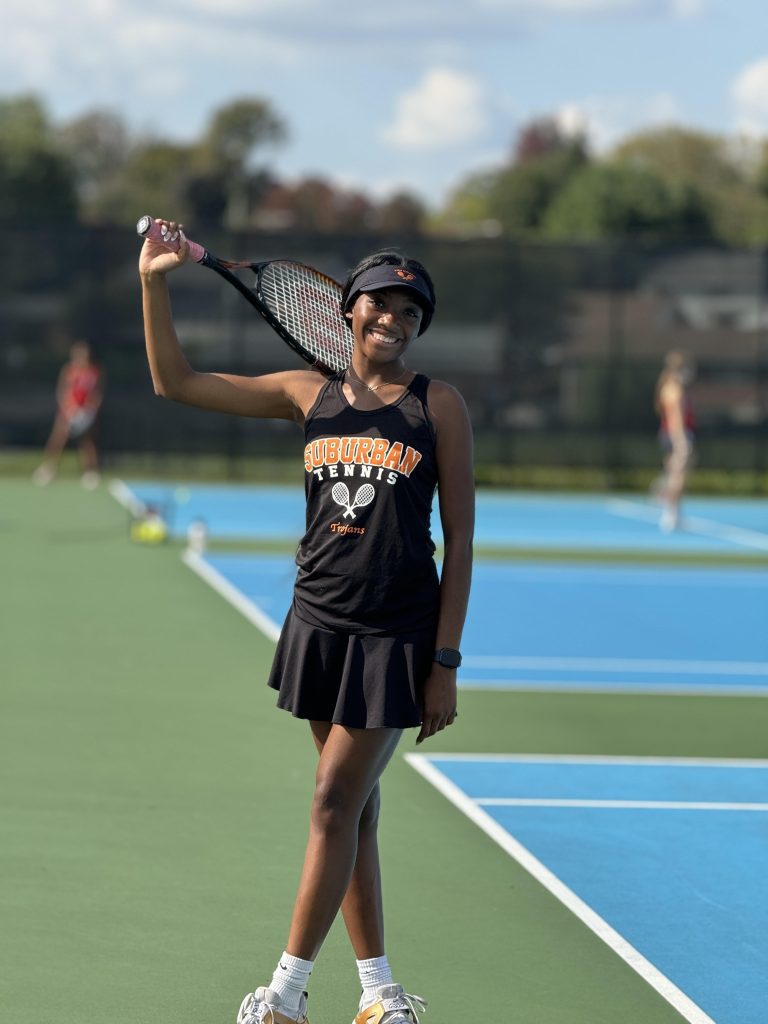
(290, 981)
(373, 973)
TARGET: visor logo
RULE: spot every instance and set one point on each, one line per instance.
(406, 276)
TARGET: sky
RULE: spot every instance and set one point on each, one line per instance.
(407, 94)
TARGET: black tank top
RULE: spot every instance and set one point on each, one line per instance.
(366, 560)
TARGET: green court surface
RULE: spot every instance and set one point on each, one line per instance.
(154, 806)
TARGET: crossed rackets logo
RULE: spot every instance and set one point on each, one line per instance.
(364, 496)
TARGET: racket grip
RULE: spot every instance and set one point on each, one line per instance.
(147, 227)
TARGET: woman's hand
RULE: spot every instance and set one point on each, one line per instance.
(439, 701)
(156, 259)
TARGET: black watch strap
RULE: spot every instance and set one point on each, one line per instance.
(448, 657)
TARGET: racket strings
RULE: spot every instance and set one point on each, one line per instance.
(307, 304)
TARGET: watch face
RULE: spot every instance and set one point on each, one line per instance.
(448, 657)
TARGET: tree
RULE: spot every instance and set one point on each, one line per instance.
(680, 156)
(314, 204)
(713, 168)
(468, 205)
(153, 179)
(543, 136)
(224, 178)
(401, 214)
(237, 129)
(97, 146)
(609, 201)
(515, 198)
(761, 171)
(522, 195)
(37, 181)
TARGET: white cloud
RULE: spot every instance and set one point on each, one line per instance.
(750, 98)
(606, 121)
(447, 108)
(688, 8)
(98, 48)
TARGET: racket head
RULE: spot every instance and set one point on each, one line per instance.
(340, 494)
(364, 496)
(304, 306)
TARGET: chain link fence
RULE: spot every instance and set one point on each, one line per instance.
(555, 348)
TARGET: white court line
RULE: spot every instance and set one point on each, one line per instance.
(607, 759)
(629, 805)
(122, 493)
(633, 689)
(230, 593)
(609, 665)
(651, 974)
(125, 496)
(693, 524)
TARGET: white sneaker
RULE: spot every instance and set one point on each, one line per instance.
(391, 1006)
(263, 1007)
(43, 475)
(670, 521)
(90, 480)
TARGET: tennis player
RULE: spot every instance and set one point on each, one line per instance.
(79, 395)
(370, 646)
(676, 434)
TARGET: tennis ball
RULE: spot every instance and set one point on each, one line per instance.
(149, 531)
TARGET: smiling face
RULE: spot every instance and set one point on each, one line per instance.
(384, 323)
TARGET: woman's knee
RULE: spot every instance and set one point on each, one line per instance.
(369, 818)
(334, 805)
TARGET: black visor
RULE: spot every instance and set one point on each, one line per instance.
(388, 276)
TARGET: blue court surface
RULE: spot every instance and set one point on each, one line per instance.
(571, 627)
(504, 519)
(544, 626)
(664, 859)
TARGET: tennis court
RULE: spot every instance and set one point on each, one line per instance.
(661, 858)
(544, 522)
(599, 807)
(549, 627)
(643, 852)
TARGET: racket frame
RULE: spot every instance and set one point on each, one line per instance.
(147, 228)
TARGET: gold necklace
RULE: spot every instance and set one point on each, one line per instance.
(356, 380)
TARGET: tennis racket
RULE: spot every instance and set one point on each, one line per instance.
(298, 302)
(364, 496)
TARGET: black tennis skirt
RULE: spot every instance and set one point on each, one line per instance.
(358, 680)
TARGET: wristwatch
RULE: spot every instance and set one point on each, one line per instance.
(448, 657)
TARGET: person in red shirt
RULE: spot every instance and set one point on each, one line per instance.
(676, 434)
(79, 394)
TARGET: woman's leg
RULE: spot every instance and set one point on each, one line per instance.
(677, 464)
(350, 765)
(54, 446)
(89, 453)
(362, 907)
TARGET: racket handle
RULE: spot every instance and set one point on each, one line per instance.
(147, 227)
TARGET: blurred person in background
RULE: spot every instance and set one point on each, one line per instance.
(676, 434)
(79, 394)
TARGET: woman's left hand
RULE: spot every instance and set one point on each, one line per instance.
(439, 701)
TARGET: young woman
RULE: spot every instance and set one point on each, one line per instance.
(79, 394)
(370, 645)
(676, 432)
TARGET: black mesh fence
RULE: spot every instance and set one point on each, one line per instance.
(556, 349)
